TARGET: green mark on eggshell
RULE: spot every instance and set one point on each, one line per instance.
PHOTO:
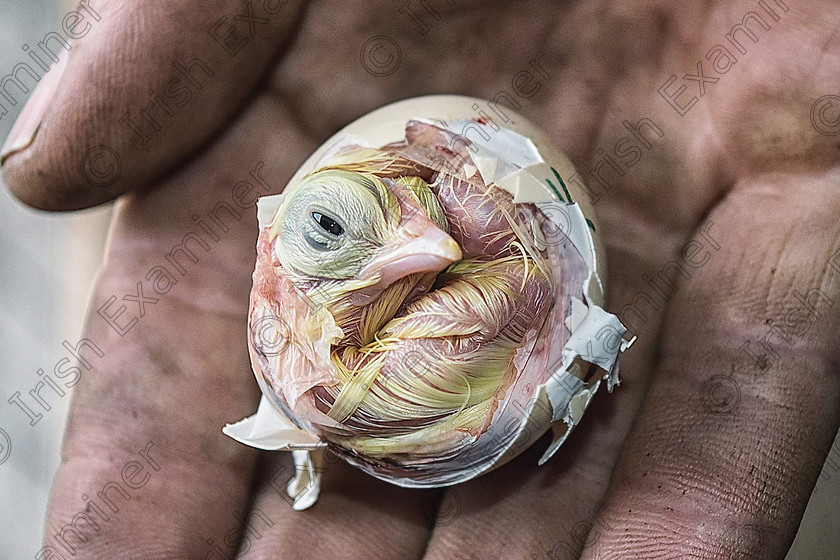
(568, 195)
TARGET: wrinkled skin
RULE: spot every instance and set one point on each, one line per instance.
(671, 479)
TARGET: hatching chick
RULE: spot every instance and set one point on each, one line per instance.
(405, 370)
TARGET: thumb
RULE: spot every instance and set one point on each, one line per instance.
(133, 88)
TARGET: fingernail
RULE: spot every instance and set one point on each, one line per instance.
(26, 126)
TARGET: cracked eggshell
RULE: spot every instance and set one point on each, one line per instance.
(560, 402)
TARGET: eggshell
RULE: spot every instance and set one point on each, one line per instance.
(561, 400)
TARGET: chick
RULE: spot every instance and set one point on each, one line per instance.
(431, 320)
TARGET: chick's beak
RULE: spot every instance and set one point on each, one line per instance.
(421, 246)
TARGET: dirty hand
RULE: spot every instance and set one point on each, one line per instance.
(718, 204)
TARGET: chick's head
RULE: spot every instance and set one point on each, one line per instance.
(345, 237)
(332, 224)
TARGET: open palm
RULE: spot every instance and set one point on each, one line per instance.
(718, 209)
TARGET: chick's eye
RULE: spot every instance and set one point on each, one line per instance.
(327, 224)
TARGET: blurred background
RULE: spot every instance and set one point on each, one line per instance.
(48, 264)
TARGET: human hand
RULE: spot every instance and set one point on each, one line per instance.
(742, 173)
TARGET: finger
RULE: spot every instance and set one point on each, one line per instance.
(744, 404)
(174, 373)
(356, 516)
(143, 443)
(143, 86)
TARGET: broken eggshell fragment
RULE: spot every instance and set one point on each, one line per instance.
(426, 299)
